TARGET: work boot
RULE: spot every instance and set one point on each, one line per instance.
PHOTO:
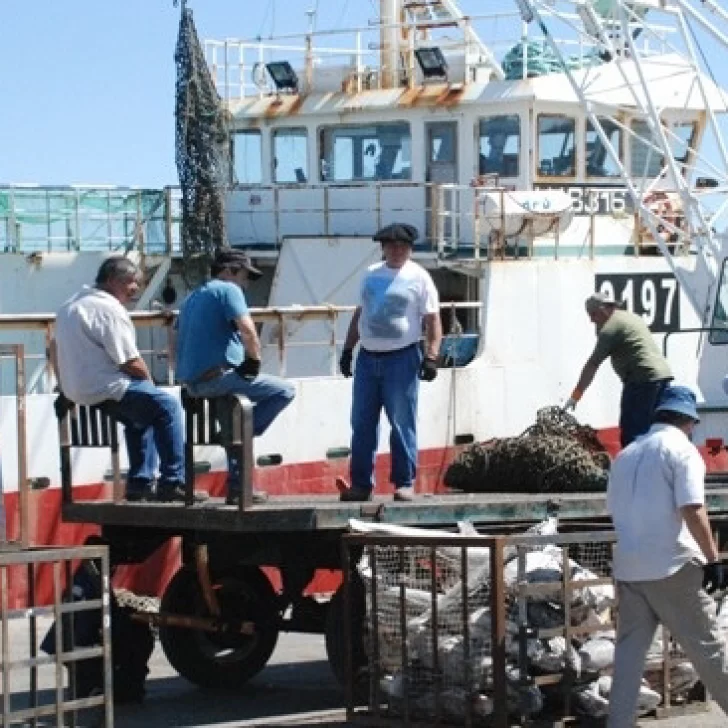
(404, 494)
(259, 496)
(355, 495)
(175, 493)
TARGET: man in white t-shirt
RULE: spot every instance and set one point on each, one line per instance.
(98, 363)
(665, 561)
(397, 297)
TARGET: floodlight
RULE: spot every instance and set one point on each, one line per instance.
(283, 75)
(432, 62)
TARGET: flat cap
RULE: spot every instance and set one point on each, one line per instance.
(232, 258)
(400, 231)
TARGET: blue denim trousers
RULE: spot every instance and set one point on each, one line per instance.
(269, 395)
(152, 420)
(386, 381)
(637, 407)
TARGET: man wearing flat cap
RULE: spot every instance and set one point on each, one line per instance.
(625, 338)
(665, 561)
(397, 297)
(218, 350)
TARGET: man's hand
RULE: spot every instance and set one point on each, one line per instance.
(345, 362)
(249, 369)
(428, 369)
(62, 405)
(570, 405)
(715, 577)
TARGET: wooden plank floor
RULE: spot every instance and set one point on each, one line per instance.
(311, 512)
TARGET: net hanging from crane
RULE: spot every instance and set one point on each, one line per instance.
(202, 152)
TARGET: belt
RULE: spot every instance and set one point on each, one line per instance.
(210, 374)
(389, 352)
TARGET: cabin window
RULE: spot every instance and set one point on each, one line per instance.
(685, 133)
(719, 324)
(556, 146)
(647, 160)
(368, 152)
(500, 145)
(248, 157)
(599, 162)
(644, 150)
(290, 155)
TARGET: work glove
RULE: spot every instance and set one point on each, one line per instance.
(345, 362)
(570, 405)
(62, 405)
(249, 369)
(428, 369)
(715, 577)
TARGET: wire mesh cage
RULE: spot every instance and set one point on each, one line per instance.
(470, 630)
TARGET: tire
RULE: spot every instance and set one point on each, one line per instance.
(222, 661)
(335, 637)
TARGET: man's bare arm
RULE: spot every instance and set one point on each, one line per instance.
(136, 368)
(249, 336)
(585, 379)
(433, 335)
(352, 334)
(696, 519)
(53, 357)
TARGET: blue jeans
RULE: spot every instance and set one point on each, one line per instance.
(152, 420)
(637, 407)
(269, 395)
(386, 381)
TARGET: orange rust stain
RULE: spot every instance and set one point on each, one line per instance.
(279, 107)
(436, 95)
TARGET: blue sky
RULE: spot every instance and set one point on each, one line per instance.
(87, 86)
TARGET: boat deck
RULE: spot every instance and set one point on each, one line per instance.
(315, 513)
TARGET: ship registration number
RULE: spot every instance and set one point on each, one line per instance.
(654, 296)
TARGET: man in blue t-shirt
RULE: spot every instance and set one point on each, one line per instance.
(218, 350)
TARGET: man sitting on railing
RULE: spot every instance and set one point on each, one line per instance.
(218, 351)
(97, 363)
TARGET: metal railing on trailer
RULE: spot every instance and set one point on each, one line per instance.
(24, 570)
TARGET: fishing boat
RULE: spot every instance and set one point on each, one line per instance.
(544, 152)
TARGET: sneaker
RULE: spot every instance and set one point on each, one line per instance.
(405, 494)
(356, 495)
(139, 496)
(259, 496)
(175, 493)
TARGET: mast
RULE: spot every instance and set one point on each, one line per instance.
(390, 12)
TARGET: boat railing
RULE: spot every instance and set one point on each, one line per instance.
(45, 219)
(325, 332)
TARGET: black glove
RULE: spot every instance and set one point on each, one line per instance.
(249, 369)
(715, 577)
(345, 362)
(428, 369)
(62, 405)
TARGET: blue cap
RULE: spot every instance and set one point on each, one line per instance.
(679, 399)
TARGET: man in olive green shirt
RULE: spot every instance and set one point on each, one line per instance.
(624, 337)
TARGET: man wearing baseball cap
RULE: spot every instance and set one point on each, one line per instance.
(665, 560)
(624, 337)
(218, 350)
(397, 297)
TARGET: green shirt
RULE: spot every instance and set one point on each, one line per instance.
(635, 356)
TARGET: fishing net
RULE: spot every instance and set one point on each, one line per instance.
(556, 454)
(202, 153)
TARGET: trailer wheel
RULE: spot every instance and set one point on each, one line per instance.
(335, 638)
(216, 660)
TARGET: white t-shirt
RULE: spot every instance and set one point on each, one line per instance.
(94, 336)
(649, 482)
(393, 302)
